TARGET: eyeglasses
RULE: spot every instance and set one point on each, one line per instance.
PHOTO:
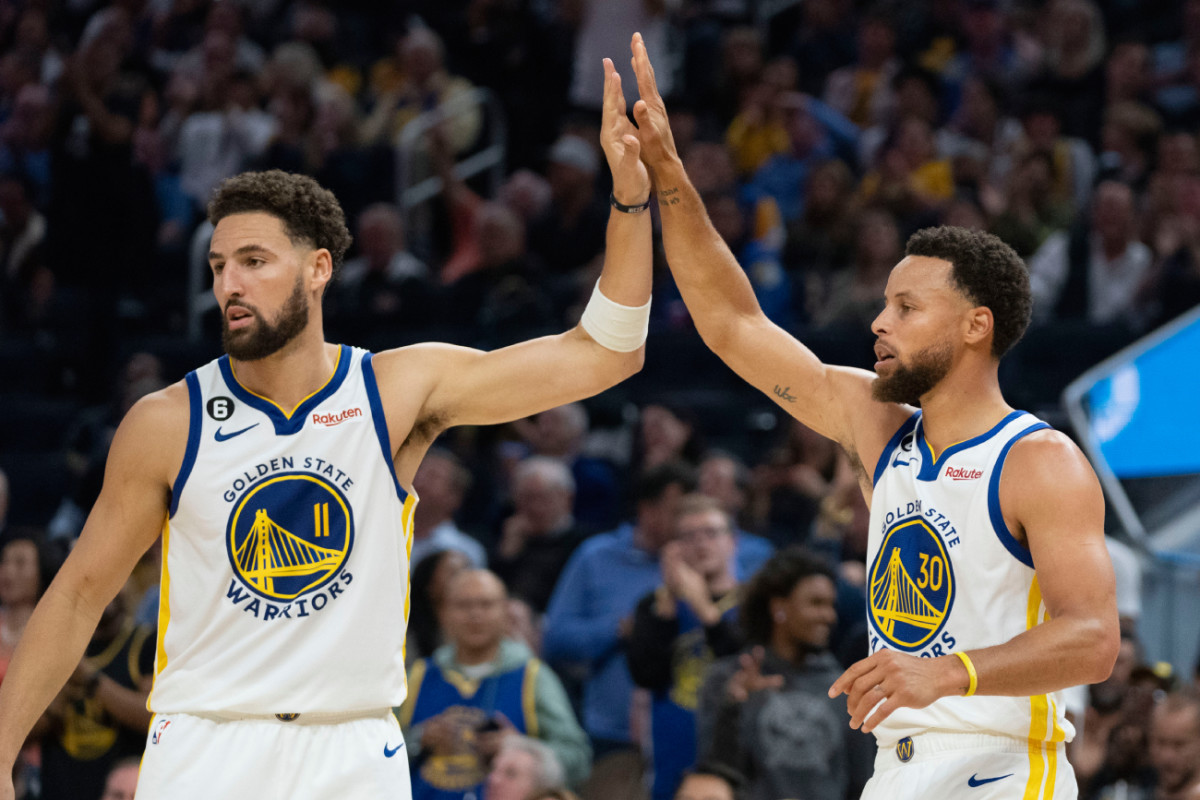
(708, 532)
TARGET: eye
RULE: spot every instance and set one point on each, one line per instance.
(254, 261)
(217, 268)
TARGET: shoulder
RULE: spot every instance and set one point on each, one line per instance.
(1049, 457)
(162, 417)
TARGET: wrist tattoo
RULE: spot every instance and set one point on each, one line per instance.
(782, 392)
(665, 197)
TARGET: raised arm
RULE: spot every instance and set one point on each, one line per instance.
(834, 401)
(461, 386)
(1052, 501)
(127, 518)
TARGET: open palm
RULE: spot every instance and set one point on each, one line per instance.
(618, 137)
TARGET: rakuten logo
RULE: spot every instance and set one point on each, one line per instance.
(961, 474)
(329, 420)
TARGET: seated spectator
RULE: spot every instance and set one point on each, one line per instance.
(1094, 272)
(430, 577)
(525, 769)
(853, 297)
(727, 480)
(787, 614)
(561, 433)
(570, 232)
(100, 716)
(680, 628)
(541, 534)
(27, 565)
(759, 130)
(1073, 160)
(667, 434)
(1175, 746)
(820, 239)
(1025, 212)
(121, 782)
(477, 690)
(591, 610)
(710, 781)
(910, 179)
(862, 92)
(441, 482)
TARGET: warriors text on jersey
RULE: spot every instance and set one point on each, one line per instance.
(285, 554)
(945, 575)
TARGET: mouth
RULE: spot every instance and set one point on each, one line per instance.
(883, 355)
(237, 317)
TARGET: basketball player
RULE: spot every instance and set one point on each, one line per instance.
(989, 586)
(283, 473)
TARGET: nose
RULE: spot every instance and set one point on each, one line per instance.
(880, 323)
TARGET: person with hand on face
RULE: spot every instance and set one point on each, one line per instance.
(787, 613)
(476, 691)
(990, 588)
(1175, 746)
(680, 628)
(280, 479)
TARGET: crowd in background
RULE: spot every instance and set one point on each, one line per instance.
(820, 135)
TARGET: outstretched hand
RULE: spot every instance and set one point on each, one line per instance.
(654, 131)
(618, 137)
(749, 678)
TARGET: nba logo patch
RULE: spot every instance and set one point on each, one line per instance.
(904, 749)
(159, 730)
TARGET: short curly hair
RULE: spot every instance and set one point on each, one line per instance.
(778, 577)
(988, 272)
(309, 212)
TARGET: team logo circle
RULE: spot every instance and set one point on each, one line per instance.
(289, 535)
(911, 586)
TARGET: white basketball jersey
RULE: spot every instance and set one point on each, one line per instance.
(945, 574)
(285, 554)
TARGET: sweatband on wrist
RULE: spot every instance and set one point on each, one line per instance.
(614, 326)
(974, 676)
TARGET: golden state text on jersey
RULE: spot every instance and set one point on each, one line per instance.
(288, 540)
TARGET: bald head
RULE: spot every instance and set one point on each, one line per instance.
(475, 615)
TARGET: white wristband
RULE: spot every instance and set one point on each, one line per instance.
(614, 326)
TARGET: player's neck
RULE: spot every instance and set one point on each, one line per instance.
(300, 368)
(965, 404)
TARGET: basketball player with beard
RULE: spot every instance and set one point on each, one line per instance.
(989, 586)
(280, 478)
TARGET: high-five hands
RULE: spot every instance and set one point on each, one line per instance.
(654, 131)
(618, 138)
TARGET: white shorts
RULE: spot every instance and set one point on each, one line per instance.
(314, 757)
(971, 766)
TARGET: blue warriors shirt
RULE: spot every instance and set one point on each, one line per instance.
(285, 552)
(469, 703)
(945, 574)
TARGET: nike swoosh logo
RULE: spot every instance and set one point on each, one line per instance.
(221, 437)
(896, 462)
(225, 437)
(973, 781)
(388, 752)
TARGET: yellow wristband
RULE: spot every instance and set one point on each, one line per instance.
(974, 684)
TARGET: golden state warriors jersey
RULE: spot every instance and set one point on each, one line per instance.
(285, 552)
(945, 574)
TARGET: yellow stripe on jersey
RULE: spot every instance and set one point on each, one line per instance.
(1043, 761)
(406, 522)
(164, 609)
(288, 414)
(529, 697)
(410, 702)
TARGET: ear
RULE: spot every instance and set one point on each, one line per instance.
(979, 325)
(322, 270)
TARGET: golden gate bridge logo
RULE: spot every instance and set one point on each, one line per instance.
(912, 585)
(289, 535)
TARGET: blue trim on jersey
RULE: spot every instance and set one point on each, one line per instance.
(1018, 550)
(930, 467)
(892, 444)
(287, 424)
(195, 410)
(381, 430)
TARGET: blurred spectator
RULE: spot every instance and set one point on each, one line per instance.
(1127, 74)
(1026, 212)
(667, 434)
(28, 563)
(791, 481)
(1176, 282)
(852, 297)
(23, 271)
(679, 629)
(591, 609)
(121, 782)
(816, 133)
(759, 130)
(710, 781)
(100, 716)
(604, 28)
(1072, 158)
(1127, 142)
(570, 232)
(415, 81)
(442, 482)
(541, 534)
(728, 481)
(430, 576)
(910, 178)
(1104, 713)
(225, 46)
(787, 613)
(819, 240)
(561, 433)
(525, 769)
(1074, 37)
(479, 689)
(1094, 272)
(25, 139)
(824, 41)
(1175, 746)
(862, 92)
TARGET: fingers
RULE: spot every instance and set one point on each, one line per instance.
(881, 713)
(643, 69)
(846, 679)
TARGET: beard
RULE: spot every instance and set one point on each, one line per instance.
(908, 383)
(264, 339)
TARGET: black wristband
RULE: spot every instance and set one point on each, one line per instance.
(624, 209)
